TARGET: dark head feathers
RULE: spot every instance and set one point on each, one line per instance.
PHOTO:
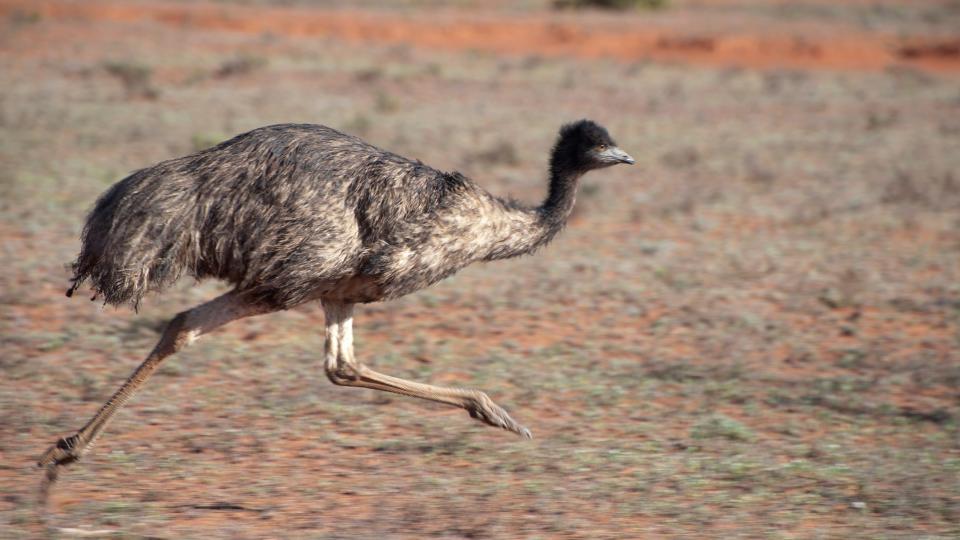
(575, 151)
(586, 133)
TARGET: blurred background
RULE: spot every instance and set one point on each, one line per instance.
(753, 332)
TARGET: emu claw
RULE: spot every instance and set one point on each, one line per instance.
(485, 410)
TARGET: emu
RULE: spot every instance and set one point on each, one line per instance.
(293, 213)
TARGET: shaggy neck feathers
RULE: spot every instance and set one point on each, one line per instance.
(542, 223)
(562, 191)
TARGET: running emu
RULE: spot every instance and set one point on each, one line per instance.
(293, 213)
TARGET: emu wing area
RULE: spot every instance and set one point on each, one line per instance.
(323, 205)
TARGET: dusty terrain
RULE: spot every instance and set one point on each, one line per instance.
(751, 333)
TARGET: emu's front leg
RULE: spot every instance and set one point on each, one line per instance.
(183, 329)
(343, 369)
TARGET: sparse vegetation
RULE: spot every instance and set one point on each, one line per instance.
(385, 103)
(21, 17)
(611, 4)
(202, 141)
(753, 333)
(941, 191)
(502, 152)
(240, 65)
(359, 124)
(719, 426)
(135, 77)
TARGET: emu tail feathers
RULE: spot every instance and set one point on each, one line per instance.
(137, 237)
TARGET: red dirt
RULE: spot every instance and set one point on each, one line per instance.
(626, 38)
(615, 455)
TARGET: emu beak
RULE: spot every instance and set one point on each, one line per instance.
(619, 156)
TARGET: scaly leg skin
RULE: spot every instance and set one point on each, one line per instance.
(343, 369)
(180, 332)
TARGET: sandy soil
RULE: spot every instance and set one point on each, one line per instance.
(678, 37)
(752, 333)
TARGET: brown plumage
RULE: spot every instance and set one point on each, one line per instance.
(292, 213)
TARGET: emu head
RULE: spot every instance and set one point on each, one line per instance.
(583, 146)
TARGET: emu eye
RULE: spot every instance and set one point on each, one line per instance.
(602, 147)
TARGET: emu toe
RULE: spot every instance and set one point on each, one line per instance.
(485, 410)
(67, 450)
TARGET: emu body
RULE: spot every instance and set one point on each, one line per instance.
(293, 213)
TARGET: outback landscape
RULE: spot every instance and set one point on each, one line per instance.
(751, 333)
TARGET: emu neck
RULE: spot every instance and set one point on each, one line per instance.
(552, 215)
(532, 228)
(561, 196)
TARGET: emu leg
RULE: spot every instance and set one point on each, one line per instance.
(343, 369)
(182, 329)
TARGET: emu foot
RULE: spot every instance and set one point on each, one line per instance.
(66, 451)
(485, 410)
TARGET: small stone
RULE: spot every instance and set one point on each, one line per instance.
(859, 505)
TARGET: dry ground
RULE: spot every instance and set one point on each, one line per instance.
(751, 333)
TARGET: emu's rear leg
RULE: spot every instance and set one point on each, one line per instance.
(343, 369)
(180, 332)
